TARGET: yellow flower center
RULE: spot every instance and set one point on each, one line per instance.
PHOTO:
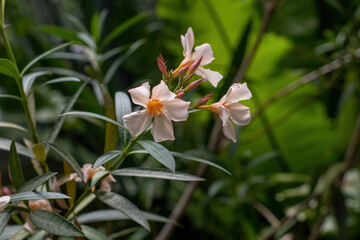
(154, 107)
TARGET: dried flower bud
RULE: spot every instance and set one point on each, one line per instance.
(161, 64)
(195, 65)
(204, 100)
(180, 95)
(194, 84)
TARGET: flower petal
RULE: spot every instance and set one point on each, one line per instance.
(162, 128)
(229, 130)
(177, 109)
(86, 169)
(205, 52)
(161, 92)
(137, 122)
(239, 92)
(140, 95)
(4, 201)
(239, 113)
(28, 225)
(187, 42)
(104, 185)
(212, 76)
(223, 114)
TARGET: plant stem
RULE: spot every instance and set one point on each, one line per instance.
(83, 195)
(3, 35)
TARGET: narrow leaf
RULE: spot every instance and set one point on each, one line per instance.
(21, 149)
(107, 157)
(68, 55)
(54, 223)
(36, 196)
(10, 96)
(93, 234)
(4, 219)
(70, 185)
(30, 78)
(68, 158)
(111, 130)
(122, 107)
(43, 55)
(62, 79)
(8, 68)
(125, 206)
(160, 153)
(13, 125)
(16, 172)
(155, 173)
(64, 71)
(113, 52)
(36, 182)
(98, 176)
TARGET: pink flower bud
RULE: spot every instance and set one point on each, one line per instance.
(180, 95)
(204, 100)
(194, 84)
(6, 191)
(161, 64)
(195, 65)
(183, 70)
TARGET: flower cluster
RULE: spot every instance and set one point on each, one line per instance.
(163, 104)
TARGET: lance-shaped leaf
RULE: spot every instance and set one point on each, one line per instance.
(93, 234)
(16, 172)
(30, 78)
(10, 96)
(106, 158)
(4, 219)
(68, 158)
(36, 196)
(155, 173)
(21, 149)
(122, 107)
(13, 125)
(8, 68)
(98, 175)
(160, 153)
(36, 182)
(125, 206)
(54, 223)
(59, 80)
(43, 55)
(111, 130)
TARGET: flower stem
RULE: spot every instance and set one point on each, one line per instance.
(3, 35)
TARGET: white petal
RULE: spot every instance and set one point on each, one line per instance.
(212, 76)
(86, 171)
(187, 42)
(4, 201)
(226, 96)
(229, 130)
(239, 113)
(162, 128)
(223, 114)
(137, 122)
(161, 92)
(205, 52)
(239, 92)
(141, 95)
(28, 225)
(177, 109)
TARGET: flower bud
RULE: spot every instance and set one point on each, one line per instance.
(183, 70)
(195, 65)
(194, 84)
(161, 64)
(180, 95)
(204, 100)
(6, 191)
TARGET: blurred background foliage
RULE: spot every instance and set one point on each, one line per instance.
(290, 178)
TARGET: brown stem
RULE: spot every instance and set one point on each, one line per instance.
(316, 231)
(267, 214)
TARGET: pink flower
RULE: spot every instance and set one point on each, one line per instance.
(203, 51)
(4, 201)
(162, 105)
(228, 107)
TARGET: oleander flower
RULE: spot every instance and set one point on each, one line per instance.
(162, 105)
(88, 173)
(203, 51)
(229, 108)
(4, 201)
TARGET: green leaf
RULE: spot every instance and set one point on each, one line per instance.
(63, 71)
(111, 130)
(30, 78)
(123, 27)
(155, 173)
(93, 234)
(21, 149)
(160, 153)
(8, 68)
(68, 158)
(106, 157)
(122, 107)
(67, 108)
(16, 172)
(13, 125)
(201, 160)
(94, 115)
(62, 79)
(125, 206)
(36, 196)
(10, 96)
(4, 219)
(113, 52)
(54, 223)
(43, 55)
(68, 55)
(36, 182)
(98, 176)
